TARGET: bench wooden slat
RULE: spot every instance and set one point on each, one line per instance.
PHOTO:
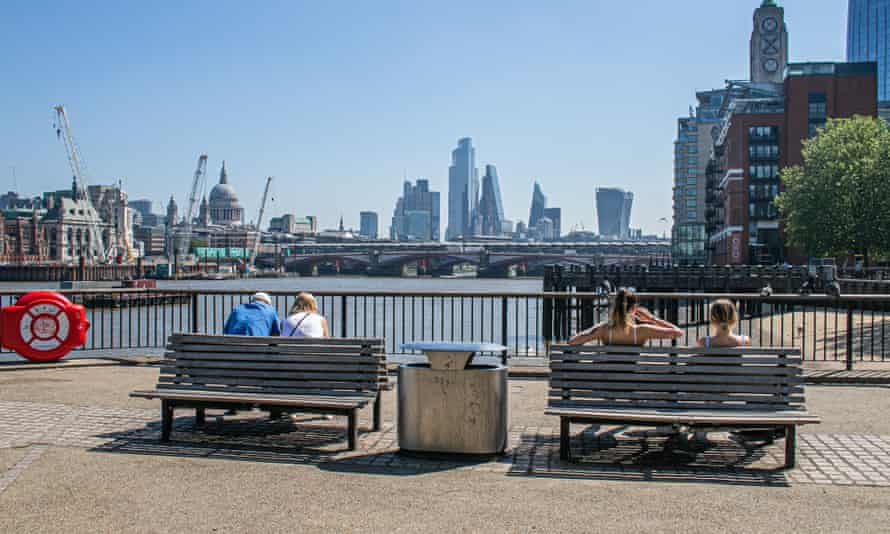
(735, 418)
(747, 370)
(296, 357)
(571, 387)
(317, 401)
(557, 351)
(370, 384)
(578, 378)
(275, 392)
(271, 348)
(576, 404)
(298, 374)
(333, 367)
(268, 340)
(556, 395)
(667, 359)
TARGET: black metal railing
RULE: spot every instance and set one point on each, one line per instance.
(847, 329)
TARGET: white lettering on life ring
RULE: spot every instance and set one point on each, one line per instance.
(25, 328)
(44, 344)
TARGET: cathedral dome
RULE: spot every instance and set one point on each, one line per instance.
(224, 206)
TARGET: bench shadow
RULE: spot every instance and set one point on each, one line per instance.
(253, 439)
(616, 455)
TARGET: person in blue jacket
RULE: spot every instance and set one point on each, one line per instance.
(256, 318)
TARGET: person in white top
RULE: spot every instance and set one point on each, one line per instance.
(303, 319)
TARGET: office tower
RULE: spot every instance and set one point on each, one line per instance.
(613, 212)
(555, 216)
(868, 39)
(539, 204)
(416, 216)
(491, 208)
(368, 224)
(463, 190)
(769, 44)
(763, 136)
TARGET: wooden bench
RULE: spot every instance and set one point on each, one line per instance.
(280, 374)
(738, 388)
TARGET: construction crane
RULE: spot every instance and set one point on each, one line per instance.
(197, 186)
(78, 167)
(259, 224)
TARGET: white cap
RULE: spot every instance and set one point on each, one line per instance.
(262, 297)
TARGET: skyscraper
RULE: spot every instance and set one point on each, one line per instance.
(463, 190)
(368, 224)
(491, 208)
(868, 39)
(555, 216)
(613, 211)
(416, 217)
(539, 204)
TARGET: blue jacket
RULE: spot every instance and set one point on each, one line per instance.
(253, 319)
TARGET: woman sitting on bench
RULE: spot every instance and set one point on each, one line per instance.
(629, 324)
(723, 318)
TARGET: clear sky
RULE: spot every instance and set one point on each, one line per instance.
(340, 100)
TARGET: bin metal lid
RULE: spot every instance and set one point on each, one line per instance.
(453, 356)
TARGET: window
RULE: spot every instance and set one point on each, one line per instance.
(763, 172)
(692, 138)
(690, 202)
(692, 161)
(693, 172)
(760, 133)
(817, 106)
(691, 181)
(691, 192)
(759, 151)
(691, 215)
(818, 112)
(692, 149)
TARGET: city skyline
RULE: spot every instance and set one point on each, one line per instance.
(342, 123)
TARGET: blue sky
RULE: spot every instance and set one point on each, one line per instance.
(340, 100)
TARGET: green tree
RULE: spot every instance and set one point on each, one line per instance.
(838, 202)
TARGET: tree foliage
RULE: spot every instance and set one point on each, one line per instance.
(838, 202)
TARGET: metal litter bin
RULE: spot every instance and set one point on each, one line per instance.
(452, 405)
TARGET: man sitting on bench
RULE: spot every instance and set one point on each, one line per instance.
(256, 318)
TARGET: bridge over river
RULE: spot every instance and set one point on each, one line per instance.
(497, 259)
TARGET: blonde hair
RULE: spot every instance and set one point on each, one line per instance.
(619, 316)
(723, 314)
(305, 303)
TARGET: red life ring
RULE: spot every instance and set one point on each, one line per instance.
(43, 326)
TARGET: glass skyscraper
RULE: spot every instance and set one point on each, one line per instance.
(868, 39)
(463, 190)
(539, 204)
(491, 208)
(613, 212)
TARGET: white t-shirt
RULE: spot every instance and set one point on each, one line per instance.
(303, 324)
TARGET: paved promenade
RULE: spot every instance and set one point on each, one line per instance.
(76, 454)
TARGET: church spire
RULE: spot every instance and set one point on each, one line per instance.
(223, 176)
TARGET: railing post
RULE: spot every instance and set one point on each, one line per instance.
(193, 307)
(547, 326)
(343, 316)
(849, 336)
(504, 321)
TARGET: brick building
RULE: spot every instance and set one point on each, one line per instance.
(759, 137)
